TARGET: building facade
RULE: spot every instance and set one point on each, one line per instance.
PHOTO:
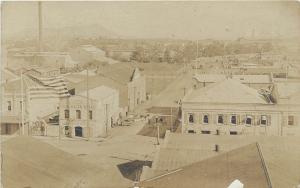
(33, 106)
(136, 89)
(230, 107)
(78, 120)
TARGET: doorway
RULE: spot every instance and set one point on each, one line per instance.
(78, 131)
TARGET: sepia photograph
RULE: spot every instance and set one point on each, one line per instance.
(150, 94)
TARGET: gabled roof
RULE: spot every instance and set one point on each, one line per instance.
(279, 154)
(100, 92)
(119, 72)
(96, 81)
(8, 75)
(135, 74)
(226, 91)
(245, 163)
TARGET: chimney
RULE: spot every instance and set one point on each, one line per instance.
(216, 148)
(40, 47)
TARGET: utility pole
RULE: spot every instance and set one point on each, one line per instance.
(134, 96)
(172, 128)
(22, 104)
(106, 119)
(197, 62)
(87, 103)
(157, 126)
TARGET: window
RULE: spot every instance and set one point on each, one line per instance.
(248, 120)
(191, 118)
(91, 114)
(290, 120)
(67, 114)
(233, 133)
(233, 119)
(21, 105)
(220, 119)
(263, 120)
(205, 132)
(205, 119)
(78, 114)
(9, 105)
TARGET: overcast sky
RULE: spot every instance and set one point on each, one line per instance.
(189, 20)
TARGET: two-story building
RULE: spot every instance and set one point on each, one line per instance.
(11, 104)
(288, 102)
(94, 116)
(230, 107)
(42, 91)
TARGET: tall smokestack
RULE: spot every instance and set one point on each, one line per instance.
(40, 27)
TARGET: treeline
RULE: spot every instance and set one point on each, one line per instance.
(185, 52)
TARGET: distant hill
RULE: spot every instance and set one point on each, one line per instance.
(81, 31)
(63, 33)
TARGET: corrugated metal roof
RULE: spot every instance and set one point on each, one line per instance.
(180, 150)
(100, 92)
(243, 163)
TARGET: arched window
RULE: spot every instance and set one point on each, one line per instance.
(233, 119)
(263, 120)
(220, 119)
(205, 118)
(248, 120)
(191, 118)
